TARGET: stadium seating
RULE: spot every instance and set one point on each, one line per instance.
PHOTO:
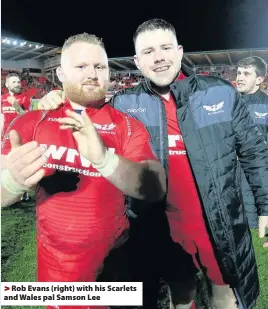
(37, 87)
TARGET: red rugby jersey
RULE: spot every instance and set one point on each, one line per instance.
(184, 209)
(95, 211)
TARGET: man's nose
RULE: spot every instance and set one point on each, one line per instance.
(158, 57)
(91, 73)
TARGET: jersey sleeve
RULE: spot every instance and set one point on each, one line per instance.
(137, 142)
(25, 126)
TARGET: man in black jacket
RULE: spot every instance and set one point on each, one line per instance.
(251, 73)
(199, 126)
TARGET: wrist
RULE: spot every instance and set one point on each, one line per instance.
(108, 165)
(10, 184)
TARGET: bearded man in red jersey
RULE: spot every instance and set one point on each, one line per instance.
(79, 158)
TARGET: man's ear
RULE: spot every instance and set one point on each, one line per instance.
(180, 50)
(259, 80)
(136, 60)
(60, 74)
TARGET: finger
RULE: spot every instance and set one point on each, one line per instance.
(35, 178)
(65, 127)
(262, 226)
(75, 116)
(19, 152)
(49, 103)
(53, 104)
(69, 121)
(265, 245)
(86, 119)
(15, 139)
(29, 158)
(32, 168)
(52, 100)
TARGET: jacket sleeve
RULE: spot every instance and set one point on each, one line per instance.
(252, 151)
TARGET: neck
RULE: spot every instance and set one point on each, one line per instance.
(95, 104)
(255, 89)
(162, 91)
(77, 106)
(11, 93)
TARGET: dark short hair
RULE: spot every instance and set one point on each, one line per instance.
(153, 24)
(12, 75)
(257, 62)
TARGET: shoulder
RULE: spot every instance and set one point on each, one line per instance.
(28, 119)
(124, 121)
(128, 92)
(214, 81)
(4, 97)
(264, 97)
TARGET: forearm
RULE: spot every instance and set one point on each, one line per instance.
(11, 191)
(143, 180)
(8, 198)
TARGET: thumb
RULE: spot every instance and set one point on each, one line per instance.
(15, 139)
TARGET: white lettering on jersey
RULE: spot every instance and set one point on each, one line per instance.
(172, 140)
(8, 109)
(52, 151)
(53, 119)
(104, 127)
(57, 153)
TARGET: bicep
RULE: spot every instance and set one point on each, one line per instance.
(25, 129)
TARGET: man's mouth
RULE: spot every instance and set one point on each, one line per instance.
(91, 86)
(161, 69)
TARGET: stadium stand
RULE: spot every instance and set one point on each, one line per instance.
(26, 58)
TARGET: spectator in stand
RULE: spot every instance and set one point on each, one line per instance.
(14, 102)
(250, 75)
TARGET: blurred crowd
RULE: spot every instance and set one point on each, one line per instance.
(33, 86)
(36, 87)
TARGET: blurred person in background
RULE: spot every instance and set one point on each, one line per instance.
(251, 73)
(13, 103)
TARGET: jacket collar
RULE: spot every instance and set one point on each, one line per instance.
(253, 96)
(178, 85)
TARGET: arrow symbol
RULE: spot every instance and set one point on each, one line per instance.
(7, 288)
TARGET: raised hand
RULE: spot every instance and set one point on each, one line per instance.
(52, 100)
(89, 142)
(25, 162)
